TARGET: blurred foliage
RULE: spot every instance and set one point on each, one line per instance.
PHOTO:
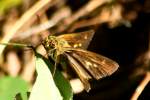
(7, 4)
(10, 86)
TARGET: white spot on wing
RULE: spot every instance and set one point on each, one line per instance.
(88, 64)
(75, 45)
(95, 65)
(85, 37)
(80, 44)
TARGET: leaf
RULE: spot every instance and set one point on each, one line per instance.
(10, 86)
(62, 84)
(44, 87)
(20, 97)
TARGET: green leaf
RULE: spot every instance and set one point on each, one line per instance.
(20, 96)
(10, 86)
(62, 84)
(44, 87)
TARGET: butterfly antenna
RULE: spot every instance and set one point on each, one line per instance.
(18, 44)
(30, 46)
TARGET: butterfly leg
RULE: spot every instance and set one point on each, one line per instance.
(57, 58)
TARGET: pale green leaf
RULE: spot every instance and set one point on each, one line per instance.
(44, 87)
(62, 84)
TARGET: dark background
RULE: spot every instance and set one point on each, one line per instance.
(124, 45)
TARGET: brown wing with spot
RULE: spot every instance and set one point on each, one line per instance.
(78, 40)
(81, 72)
(97, 65)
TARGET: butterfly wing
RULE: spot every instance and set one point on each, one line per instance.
(97, 65)
(81, 72)
(78, 40)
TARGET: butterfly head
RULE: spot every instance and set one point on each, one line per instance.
(50, 43)
(54, 43)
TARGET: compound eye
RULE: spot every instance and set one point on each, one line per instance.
(52, 44)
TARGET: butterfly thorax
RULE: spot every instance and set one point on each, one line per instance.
(55, 46)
